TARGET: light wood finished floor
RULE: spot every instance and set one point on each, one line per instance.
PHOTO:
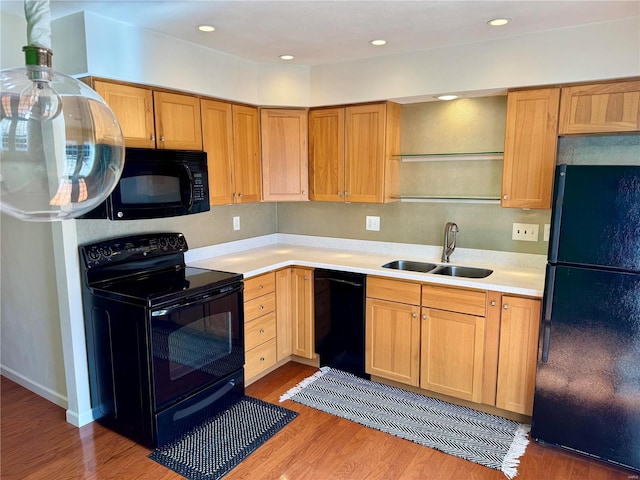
(37, 443)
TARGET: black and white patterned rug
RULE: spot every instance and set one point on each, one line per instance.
(488, 440)
(214, 448)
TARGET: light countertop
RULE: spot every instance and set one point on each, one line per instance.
(521, 274)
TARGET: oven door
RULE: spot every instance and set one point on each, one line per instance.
(196, 343)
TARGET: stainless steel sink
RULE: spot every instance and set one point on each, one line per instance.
(459, 271)
(410, 265)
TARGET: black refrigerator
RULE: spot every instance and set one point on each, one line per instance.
(587, 395)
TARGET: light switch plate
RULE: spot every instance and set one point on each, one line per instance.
(527, 232)
(373, 223)
(236, 223)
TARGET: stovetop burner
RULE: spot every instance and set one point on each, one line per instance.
(148, 269)
(160, 287)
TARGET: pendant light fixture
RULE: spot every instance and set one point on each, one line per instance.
(61, 147)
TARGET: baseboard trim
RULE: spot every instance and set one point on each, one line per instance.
(35, 387)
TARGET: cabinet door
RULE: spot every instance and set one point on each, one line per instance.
(284, 155)
(530, 143)
(246, 146)
(451, 361)
(326, 155)
(392, 344)
(518, 354)
(600, 108)
(178, 123)
(217, 140)
(133, 107)
(302, 320)
(284, 313)
(365, 153)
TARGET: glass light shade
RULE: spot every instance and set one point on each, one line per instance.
(61, 147)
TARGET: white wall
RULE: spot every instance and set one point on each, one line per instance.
(13, 36)
(591, 52)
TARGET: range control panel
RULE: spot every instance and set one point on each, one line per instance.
(129, 249)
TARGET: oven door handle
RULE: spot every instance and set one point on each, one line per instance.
(208, 297)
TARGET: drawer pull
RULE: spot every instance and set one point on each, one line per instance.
(261, 331)
(262, 359)
(260, 287)
(493, 303)
(261, 307)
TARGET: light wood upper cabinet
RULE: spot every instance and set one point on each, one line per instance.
(326, 154)
(284, 154)
(217, 140)
(133, 107)
(600, 108)
(178, 124)
(350, 153)
(530, 148)
(519, 329)
(231, 139)
(246, 147)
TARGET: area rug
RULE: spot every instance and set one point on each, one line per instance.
(214, 448)
(488, 440)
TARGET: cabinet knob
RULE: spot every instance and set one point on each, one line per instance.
(506, 307)
(240, 194)
(302, 192)
(346, 193)
(153, 137)
(262, 359)
(261, 331)
(493, 303)
(414, 315)
(505, 197)
(261, 307)
(306, 278)
(162, 138)
(339, 194)
(424, 317)
(260, 287)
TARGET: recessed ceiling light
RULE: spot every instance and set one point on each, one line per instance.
(286, 57)
(378, 42)
(447, 97)
(498, 22)
(206, 28)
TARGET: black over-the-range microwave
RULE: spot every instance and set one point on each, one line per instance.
(157, 184)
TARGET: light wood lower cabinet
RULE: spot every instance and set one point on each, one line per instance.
(452, 353)
(259, 324)
(393, 341)
(295, 312)
(519, 329)
(392, 333)
(474, 345)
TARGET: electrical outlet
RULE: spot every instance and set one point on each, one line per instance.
(547, 232)
(236, 223)
(527, 232)
(373, 223)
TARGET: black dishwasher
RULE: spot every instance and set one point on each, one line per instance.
(339, 302)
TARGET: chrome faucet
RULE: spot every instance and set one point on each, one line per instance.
(450, 231)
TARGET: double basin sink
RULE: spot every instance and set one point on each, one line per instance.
(448, 270)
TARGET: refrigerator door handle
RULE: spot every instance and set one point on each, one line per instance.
(556, 216)
(548, 309)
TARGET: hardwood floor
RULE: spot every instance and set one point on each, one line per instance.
(37, 443)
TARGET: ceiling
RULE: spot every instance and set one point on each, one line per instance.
(322, 32)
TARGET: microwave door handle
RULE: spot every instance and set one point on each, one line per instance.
(191, 194)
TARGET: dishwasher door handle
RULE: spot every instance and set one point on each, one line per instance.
(339, 280)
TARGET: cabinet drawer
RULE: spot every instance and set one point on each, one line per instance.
(259, 331)
(472, 302)
(260, 358)
(393, 290)
(259, 306)
(256, 286)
